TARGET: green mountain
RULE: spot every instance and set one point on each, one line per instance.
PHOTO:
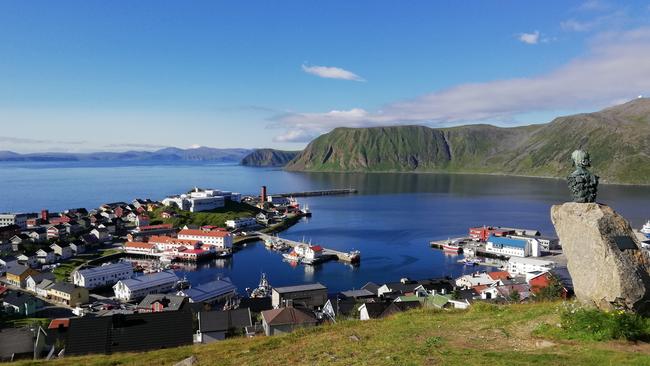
(268, 158)
(617, 138)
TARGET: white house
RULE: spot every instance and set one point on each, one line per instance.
(136, 247)
(63, 251)
(104, 275)
(28, 260)
(101, 234)
(220, 239)
(45, 256)
(141, 286)
(241, 222)
(525, 265)
(475, 279)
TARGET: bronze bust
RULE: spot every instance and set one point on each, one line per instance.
(583, 184)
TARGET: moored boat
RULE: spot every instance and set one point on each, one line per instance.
(646, 229)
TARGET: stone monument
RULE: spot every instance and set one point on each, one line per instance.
(607, 265)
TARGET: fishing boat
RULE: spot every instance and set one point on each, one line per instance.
(292, 257)
(305, 211)
(471, 262)
(182, 284)
(646, 229)
(263, 289)
(451, 246)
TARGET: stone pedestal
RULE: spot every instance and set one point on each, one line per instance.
(608, 268)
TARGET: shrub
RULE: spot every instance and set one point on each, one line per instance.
(592, 324)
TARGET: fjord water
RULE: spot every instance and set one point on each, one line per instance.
(391, 220)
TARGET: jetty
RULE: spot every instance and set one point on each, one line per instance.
(327, 192)
(327, 254)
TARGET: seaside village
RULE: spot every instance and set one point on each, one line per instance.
(104, 281)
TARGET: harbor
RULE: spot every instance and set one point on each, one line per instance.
(326, 192)
(307, 253)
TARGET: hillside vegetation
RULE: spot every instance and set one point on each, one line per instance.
(617, 138)
(486, 335)
(268, 158)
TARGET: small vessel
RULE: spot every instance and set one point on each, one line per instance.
(471, 262)
(263, 289)
(182, 284)
(646, 229)
(292, 257)
(305, 211)
(451, 246)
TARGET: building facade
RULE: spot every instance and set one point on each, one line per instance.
(103, 275)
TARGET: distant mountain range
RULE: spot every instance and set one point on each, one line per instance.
(268, 158)
(166, 154)
(617, 138)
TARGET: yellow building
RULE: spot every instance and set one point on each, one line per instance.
(17, 274)
(68, 294)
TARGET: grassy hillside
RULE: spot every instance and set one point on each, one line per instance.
(485, 335)
(618, 139)
(268, 158)
(216, 217)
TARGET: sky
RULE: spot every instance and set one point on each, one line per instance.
(90, 75)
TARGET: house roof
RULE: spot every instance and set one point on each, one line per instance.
(398, 307)
(138, 244)
(169, 302)
(59, 323)
(212, 234)
(502, 241)
(45, 284)
(16, 341)
(17, 269)
(438, 300)
(256, 304)
(375, 309)
(371, 286)
(211, 290)
(17, 298)
(149, 280)
(129, 332)
(499, 275)
(288, 315)
(65, 287)
(221, 321)
(106, 269)
(298, 288)
(358, 293)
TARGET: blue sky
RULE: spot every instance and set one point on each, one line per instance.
(97, 75)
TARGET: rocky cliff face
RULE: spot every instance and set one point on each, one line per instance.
(617, 138)
(608, 268)
(268, 158)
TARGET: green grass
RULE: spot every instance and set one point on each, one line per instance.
(218, 217)
(485, 335)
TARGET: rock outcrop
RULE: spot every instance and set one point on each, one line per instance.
(608, 268)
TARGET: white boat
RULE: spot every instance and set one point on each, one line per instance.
(451, 247)
(305, 211)
(263, 289)
(292, 257)
(646, 229)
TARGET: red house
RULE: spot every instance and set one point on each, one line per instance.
(542, 281)
(484, 232)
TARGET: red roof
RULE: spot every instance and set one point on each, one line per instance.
(3, 289)
(163, 239)
(499, 275)
(138, 244)
(316, 248)
(213, 234)
(60, 322)
(479, 288)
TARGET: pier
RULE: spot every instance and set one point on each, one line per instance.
(327, 253)
(327, 192)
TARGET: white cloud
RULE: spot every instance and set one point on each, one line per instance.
(616, 68)
(330, 72)
(529, 38)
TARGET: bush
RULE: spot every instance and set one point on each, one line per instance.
(592, 324)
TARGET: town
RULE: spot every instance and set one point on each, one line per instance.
(65, 273)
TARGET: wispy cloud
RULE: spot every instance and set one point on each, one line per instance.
(529, 38)
(23, 140)
(330, 72)
(616, 68)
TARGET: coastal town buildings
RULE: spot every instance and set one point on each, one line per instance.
(241, 222)
(220, 239)
(68, 294)
(216, 325)
(141, 286)
(520, 266)
(286, 320)
(511, 247)
(309, 295)
(219, 290)
(18, 219)
(104, 275)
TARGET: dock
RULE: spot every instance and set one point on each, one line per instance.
(327, 192)
(327, 253)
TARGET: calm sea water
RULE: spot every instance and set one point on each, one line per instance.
(391, 220)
